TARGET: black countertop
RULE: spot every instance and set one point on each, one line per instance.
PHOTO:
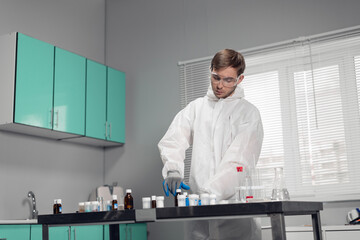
(173, 213)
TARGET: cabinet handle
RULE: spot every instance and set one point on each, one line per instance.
(105, 129)
(110, 130)
(69, 231)
(3, 238)
(74, 233)
(57, 119)
(51, 118)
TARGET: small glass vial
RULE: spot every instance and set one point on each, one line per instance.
(87, 206)
(128, 200)
(114, 203)
(153, 201)
(81, 207)
(94, 206)
(178, 192)
(57, 208)
(108, 205)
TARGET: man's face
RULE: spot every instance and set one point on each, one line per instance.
(224, 81)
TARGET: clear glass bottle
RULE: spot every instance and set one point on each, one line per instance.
(128, 200)
(279, 192)
(114, 204)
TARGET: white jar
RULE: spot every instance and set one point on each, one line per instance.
(193, 199)
(160, 201)
(212, 199)
(181, 200)
(146, 202)
(205, 199)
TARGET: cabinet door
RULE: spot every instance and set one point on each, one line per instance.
(36, 232)
(94, 232)
(348, 235)
(106, 232)
(59, 233)
(15, 232)
(95, 100)
(137, 231)
(34, 82)
(69, 92)
(116, 105)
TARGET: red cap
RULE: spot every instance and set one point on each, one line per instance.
(239, 169)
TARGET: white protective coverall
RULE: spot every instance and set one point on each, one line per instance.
(225, 134)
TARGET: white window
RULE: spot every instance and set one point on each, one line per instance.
(307, 91)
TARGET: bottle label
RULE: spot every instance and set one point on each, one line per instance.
(115, 205)
(60, 209)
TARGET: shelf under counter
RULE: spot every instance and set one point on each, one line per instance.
(88, 218)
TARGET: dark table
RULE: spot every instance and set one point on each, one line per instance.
(276, 210)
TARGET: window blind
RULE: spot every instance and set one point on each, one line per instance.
(307, 91)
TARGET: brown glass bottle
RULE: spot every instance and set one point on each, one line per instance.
(57, 208)
(153, 201)
(178, 192)
(128, 200)
(114, 203)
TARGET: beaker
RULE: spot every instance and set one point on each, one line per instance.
(279, 192)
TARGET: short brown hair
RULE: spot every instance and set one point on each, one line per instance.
(228, 58)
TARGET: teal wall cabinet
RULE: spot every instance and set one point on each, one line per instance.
(96, 100)
(116, 105)
(34, 85)
(15, 232)
(69, 92)
(105, 103)
(50, 92)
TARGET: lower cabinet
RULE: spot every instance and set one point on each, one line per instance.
(36, 232)
(93, 232)
(135, 231)
(15, 232)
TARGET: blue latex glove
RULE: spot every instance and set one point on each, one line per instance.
(172, 182)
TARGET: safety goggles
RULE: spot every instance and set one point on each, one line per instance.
(226, 81)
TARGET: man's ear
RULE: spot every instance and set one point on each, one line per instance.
(240, 79)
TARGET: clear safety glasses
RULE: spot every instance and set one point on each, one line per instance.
(226, 81)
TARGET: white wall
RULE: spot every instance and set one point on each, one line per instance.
(51, 169)
(146, 39)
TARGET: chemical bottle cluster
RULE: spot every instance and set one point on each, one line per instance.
(100, 205)
(181, 199)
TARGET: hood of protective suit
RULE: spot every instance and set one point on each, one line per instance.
(238, 93)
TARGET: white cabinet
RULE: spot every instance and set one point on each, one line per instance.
(299, 235)
(346, 235)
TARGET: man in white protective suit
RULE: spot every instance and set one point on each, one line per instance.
(226, 133)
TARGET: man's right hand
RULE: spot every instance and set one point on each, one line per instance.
(172, 182)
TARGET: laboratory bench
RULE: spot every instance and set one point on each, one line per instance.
(276, 210)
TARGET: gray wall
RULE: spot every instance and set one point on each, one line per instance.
(51, 169)
(146, 39)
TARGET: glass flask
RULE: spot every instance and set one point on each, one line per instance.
(279, 192)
